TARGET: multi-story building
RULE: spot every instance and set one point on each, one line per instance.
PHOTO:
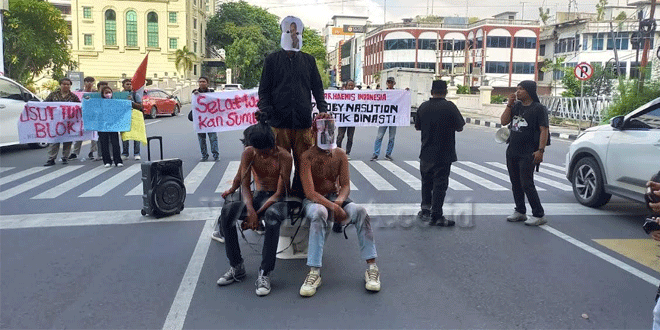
(602, 43)
(109, 39)
(499, 52)
(336, 35)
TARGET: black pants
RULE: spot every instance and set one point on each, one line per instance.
(105, 139)
(435, 180)
(521, 174)
(349, 140)
(273, 217)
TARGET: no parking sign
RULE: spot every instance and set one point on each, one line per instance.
(583, 71)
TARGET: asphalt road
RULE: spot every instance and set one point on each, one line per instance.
(76, 253)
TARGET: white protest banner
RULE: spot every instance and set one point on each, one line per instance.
(52, 122)
(369, 108)
(224, 111)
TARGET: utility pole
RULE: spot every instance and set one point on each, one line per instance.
(523, 9)
(4, 6)
(645, 57)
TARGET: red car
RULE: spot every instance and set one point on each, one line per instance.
(157, 102)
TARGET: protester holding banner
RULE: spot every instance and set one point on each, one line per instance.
(287, 79)
(439, 120)
(381, 132)
(77, 146)
(137, 105)
(62, 94)
(203, 83)
(108, 138)
(350, 85)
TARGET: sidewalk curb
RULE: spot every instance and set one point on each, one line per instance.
(481, 122)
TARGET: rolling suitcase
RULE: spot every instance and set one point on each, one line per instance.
(163, 191)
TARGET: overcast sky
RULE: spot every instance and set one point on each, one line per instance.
(316, 13)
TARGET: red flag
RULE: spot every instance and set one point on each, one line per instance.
(139, 78)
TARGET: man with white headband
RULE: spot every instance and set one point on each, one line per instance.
(326, 182)
(288, 80)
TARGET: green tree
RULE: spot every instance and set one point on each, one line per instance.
(313, 45)
(184, 60)
(629, 97)
(35, 39)
(553, 66)
(544, 15)
(600, 9)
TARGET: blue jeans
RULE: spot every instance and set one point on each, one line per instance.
(379, 140)
(126, 147)
(317, 215)
(213, 139)
(656, 316)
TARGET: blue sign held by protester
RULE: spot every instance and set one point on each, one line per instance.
(106, 115)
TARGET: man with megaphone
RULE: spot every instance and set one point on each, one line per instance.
(527, 141)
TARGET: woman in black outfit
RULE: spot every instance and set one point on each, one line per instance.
(106, 138)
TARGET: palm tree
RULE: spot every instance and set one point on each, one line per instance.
(184, 59)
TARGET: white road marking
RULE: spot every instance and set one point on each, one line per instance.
(152, 122)
(122, 217)
(196, 176)
(406, 177)
(113, 182)
(228, 177)
(71, 184)
(137, 191)
(5, 194)
(179, 309)
(477, 179)
(616, 262)
(21, 174)
(4, 169)
(562, 169)
(453, 184)
(372, 177)
(539, 178)
(501, 176)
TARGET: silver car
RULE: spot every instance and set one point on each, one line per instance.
(13, 98)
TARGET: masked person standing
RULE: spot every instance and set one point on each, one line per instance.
(439, 120)
(288, 79)
(527, 141)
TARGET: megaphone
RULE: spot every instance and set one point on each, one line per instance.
(502, 135)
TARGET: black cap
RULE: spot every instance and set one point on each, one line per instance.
(439, 87)
(530, 87)
(390, 79)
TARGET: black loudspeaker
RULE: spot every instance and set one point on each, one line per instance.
(163, 191)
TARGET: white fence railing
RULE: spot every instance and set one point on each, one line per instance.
(577, 108)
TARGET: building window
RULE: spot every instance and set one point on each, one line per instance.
(426, 44)
(497, 67)
(172, 17)
(195, 46)
(641, 43)
(480, 42)
(173, 43)
(542, 50)
(394, 44)
(523, 68)
(541, 75)
(131, 29)
(453, 44)
(620, 40)
(88, 40)
(598, 41)
(527, 43)
(87, 12)
(194, 23)
(389, 65)
(426, 65)
(195, 69)
(110, 28)
(499, 42)
(152, 30)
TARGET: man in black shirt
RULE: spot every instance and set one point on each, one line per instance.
(439, 120)
(288, 77)
(529, 136)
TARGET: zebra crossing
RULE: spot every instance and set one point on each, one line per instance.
(368, 177)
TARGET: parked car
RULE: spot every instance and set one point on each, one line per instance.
(616, 159)
(157, 102)
(232, 87)
(13, 97)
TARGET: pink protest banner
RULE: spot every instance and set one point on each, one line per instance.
(52, 122)
(224, 111)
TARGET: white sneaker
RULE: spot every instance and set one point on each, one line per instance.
(516, 217)
(217, 236)
(312, 281)
(263, 284)
(372, 278)
(107, 165)
(137, 157)
(120, 165)
(124, 157)
(534, 221)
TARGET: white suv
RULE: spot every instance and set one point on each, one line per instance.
(616, 159)
(13, 98)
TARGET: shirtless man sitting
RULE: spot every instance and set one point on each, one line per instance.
(325, 180)
(272, 169)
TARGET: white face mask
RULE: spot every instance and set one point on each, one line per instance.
(325, 134)
(292, 31)
(108, 95)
